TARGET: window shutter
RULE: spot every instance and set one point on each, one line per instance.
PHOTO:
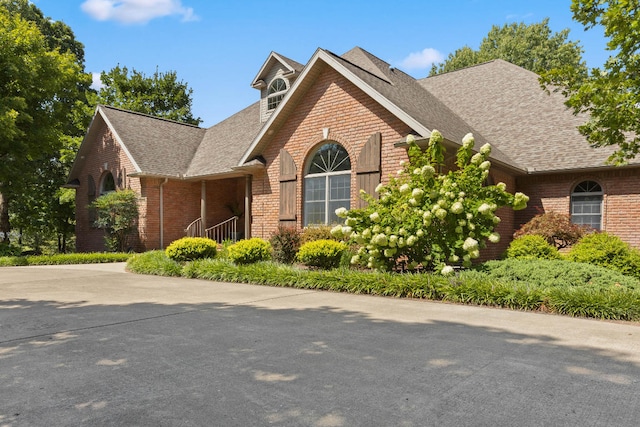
(288, 180)
(368, 167)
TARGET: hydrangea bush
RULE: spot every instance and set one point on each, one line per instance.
(426, 218)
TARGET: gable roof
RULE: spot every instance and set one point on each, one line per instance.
(292, 66)
(506, 104)
(398, 92)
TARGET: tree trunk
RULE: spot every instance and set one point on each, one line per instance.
(5, 227)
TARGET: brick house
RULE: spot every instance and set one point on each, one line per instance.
(320, 132)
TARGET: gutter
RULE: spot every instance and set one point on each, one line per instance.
(162, 212)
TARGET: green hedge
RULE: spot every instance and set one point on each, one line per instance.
(249, 251)
(191, 248)
(60, 259)
(616, 301)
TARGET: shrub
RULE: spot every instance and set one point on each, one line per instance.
(191, 248)
(557, 273)
(154, 262)
(555, 227)
(249, 251)
(117, 214)
(426, 218)
(316, 232)
(532, 246)
(285, 243)
(608, 251)
(323, 253)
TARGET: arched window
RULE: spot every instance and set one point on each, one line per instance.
(108, 184)
(586, 204)
(275, 93)
(327, 184)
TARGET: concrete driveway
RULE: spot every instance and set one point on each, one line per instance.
(93, 345)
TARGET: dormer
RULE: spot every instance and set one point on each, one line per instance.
(274, 81)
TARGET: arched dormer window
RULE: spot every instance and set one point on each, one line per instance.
(275, 93)
(586, 204)
(108, 184)
(327, 184)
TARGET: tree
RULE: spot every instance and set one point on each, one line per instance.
(533, 47)
(427, 218)
(611, 95)
(161, 95)
(39, 87)
(117, 214)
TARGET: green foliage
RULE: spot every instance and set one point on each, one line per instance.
(285, 242)
(604, 299)
(117, 214)
(532, 46)
(316, 232)
(191, 248)
(154, 262)
(160, 95)
(7, 249)
(325, 254)
(609, 95)
(555, 227)
(430, 219)
(249, 251)
(532, 246)
(608, 251)
(557, 273)
(61, 259)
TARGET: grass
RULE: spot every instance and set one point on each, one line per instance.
(60, 259)
(588, 292)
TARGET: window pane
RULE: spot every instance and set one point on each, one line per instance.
(339, 187)
(330, 158)
(315, 189)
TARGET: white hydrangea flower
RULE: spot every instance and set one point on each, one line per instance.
(350, 221)
(346, 230)
(494, 237)
(485, 149)
(410, 139)
(375, 217)
(474, 254)
(403, 162)
(420, 233)
(485, 165)
(468, 140)
(380, 240)
(426, 214)
(404, 188)
(520, 201)
(441, 213)
(378, 188)
(342, 212)
(447, 270)
(355, 259)
(484, 208)
(502, 186)
(400, 172)
(470, 244)
(412, 240)
(417, 171)
(457, 208)
(428, 170)
(337, 231)
(393, 240)
(496, 220)
(477, 159)
(417, 193)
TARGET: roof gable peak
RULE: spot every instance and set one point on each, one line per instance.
(293, 69)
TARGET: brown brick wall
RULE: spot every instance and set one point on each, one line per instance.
(620, 206)
(352, 117)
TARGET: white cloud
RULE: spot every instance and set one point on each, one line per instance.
(136, 11)
(421, 60)
(96, 83)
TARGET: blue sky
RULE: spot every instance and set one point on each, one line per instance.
(217, 47)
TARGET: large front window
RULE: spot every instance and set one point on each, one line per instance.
(327, 185)
(586, 204)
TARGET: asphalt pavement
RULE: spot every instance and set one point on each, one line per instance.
(97, 346)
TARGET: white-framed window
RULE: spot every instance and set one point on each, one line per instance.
(327, 184)
(275, 93)
(586, 204)
(108, 184)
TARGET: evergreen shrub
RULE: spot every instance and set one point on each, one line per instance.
(608, 251)
(324, 253)
(532, 246)
(249, 251)
(191, 248)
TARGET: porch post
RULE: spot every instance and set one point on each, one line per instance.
(203, 206)
(247, 206)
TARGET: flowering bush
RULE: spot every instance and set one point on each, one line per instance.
(426, 218)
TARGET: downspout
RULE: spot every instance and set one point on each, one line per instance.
(162, 212)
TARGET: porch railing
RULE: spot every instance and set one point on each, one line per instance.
(226, 230)
(194, 229)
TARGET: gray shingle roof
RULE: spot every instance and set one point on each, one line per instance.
(224, 144)
(506, 104)
(159, 147)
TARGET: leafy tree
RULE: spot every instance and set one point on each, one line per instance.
(39, 87)
(611, 95)
(426, 218)
(117, 214)
(533, 47)
(161, 95)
